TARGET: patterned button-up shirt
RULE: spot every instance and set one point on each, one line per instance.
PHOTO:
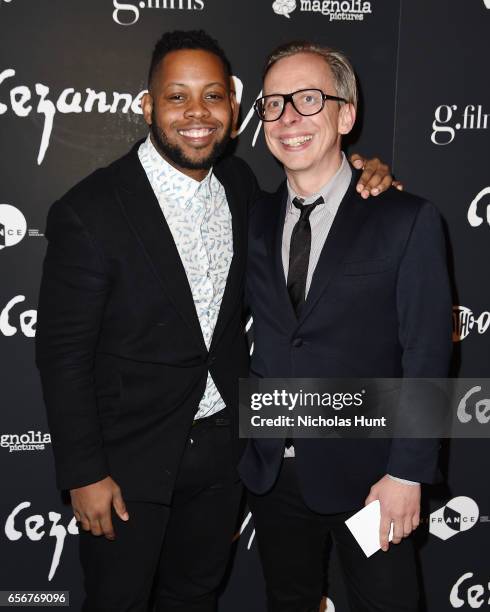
(199, 219)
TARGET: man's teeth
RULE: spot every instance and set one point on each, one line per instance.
(296, 141)
(200, 133)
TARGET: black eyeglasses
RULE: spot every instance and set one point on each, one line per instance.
(305, 102)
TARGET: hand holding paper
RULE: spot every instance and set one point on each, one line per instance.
(364, 526)
(400, 504)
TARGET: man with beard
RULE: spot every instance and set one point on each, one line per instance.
(140, 342)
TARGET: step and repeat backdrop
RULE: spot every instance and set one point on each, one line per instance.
(72, 73)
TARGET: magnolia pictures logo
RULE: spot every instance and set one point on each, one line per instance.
(458, 515)
(335, 10)
(13, 226)
(464, 322)
(29, 441)
(128, 13)
(479, 208)
(284, 7)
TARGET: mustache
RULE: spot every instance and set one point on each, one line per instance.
(175, 153)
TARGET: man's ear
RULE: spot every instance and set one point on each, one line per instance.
(235, 110)
(147, 107)
(347, 118)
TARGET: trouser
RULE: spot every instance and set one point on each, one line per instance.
(292, 542)
(171, 558)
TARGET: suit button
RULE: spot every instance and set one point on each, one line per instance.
(297, 342)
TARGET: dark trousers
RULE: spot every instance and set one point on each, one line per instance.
(170, 558)
(292, 542)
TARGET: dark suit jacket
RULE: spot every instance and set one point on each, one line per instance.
(119, 345)
(379, 306)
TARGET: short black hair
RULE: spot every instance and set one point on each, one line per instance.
(186, 39)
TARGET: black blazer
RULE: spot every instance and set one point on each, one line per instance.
(379, 306)
(119, 346)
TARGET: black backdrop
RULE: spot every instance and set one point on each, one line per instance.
(422, 67)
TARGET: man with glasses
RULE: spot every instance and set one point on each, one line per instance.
(338, 288)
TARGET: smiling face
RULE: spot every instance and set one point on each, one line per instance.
(190, 110)
(308, 147)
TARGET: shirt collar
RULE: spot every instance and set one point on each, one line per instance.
(172, 182)
(332, 192)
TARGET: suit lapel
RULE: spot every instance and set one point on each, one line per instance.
(146, 218)
(273, 230)
(350, 216)
(234, 283)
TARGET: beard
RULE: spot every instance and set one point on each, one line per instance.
(175, 154)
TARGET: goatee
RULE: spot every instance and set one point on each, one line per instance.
(176, 155)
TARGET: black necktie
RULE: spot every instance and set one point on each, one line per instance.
(299, 253)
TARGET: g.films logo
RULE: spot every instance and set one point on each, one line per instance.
(336, 10)
(459, 514)
(128, 13)
(443, 127)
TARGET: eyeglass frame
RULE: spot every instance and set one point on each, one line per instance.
(289, 98)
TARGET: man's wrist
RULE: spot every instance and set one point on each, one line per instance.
(403, 480)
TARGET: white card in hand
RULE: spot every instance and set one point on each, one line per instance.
(364, 526)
